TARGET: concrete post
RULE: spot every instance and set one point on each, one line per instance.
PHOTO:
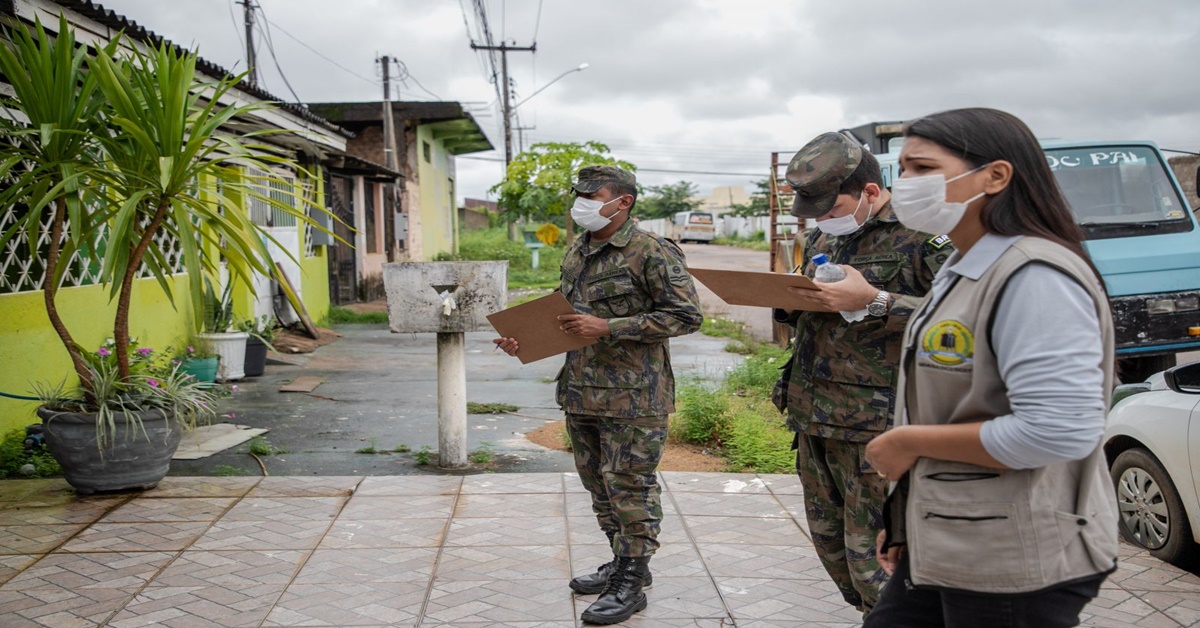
(452, 400)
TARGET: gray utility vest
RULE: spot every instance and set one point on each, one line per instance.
(983, 529)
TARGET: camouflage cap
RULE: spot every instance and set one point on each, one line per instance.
(818, 170)
(592, 178)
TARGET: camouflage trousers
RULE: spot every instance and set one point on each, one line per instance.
(617, 460)
(843, 501)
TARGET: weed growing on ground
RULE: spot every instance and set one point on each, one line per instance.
(369, 449)
(490, 408)
(423, 455)
(738, 418)
(18, 462)
(402, 448)
(566, 438)
(225, 471)
(484, 454)
(260, 446)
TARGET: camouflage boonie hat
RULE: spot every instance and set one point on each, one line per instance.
(592, 178)
(818, 170)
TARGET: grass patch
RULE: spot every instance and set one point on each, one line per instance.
(343, 316)
(424, 455)
(18, 462)
(260, 446)
(369, 449)
(737, 418)
(493, 244)
(490, 408)
(402, 448)
(722, 328)
(756, 241)
(227, 471)
(484, 454)
(535, 294)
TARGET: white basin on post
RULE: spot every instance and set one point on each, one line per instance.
(449, 299)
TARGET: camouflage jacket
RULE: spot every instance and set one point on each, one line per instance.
(843, 375)
(640, 283)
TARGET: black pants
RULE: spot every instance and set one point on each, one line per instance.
(902, 605)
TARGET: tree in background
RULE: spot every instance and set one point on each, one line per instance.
(664, 201)
(759, 205)
(538, 182)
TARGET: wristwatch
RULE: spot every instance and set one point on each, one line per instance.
(879, 305)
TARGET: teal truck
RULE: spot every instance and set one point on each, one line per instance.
(1139, 231)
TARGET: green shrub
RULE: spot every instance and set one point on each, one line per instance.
(14, 458)
(343, 316)
(484, 454)
(701, 414)
(759, 440)
(424, 455)
(493, 244)
(758, 373)
(490, 408)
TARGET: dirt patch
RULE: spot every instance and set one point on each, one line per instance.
(287, 341)
(370, 307)
(677, 457)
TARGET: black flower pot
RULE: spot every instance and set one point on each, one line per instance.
(135, 454)
(256, 357)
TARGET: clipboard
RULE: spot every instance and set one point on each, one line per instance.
(535, 326)
(760, 289)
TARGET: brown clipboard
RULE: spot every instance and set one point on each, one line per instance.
(761, 289)
(535, 326)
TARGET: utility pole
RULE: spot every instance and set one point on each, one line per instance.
(389, 125)
(507, 107)
(507, 95)
(251, 62)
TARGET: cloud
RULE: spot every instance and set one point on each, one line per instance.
(715, 86)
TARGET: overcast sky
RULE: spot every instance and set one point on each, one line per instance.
(714, 86)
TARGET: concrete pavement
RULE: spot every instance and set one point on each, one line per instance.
(466, 551)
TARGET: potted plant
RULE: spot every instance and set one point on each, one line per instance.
(127, 443)
(261, 331)
(120, 149)
(230, 346)
(198, 360)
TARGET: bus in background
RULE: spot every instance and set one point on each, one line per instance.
(694, 226)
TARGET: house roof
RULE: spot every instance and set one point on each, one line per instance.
(133, 30)
(349, 164)
(449, 121)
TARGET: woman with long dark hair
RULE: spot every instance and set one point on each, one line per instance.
(1001, 512)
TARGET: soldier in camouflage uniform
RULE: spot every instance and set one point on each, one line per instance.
(841, 389)
(631, 289)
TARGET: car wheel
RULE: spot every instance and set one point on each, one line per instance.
(1150, 513)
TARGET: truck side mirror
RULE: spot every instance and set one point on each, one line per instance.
(1184, 379)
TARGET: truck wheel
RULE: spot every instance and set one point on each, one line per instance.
(1134, 370)
(1149, 512)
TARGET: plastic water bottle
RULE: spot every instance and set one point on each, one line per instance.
(830, 273)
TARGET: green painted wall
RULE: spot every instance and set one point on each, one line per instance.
(30, 351)
(439, 218)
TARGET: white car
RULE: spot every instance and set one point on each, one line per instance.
(1153, 446)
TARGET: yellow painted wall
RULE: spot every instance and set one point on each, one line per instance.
(439, 218)
(30, 351)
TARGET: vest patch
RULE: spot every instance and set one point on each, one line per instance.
(939, 242)
(948, 343)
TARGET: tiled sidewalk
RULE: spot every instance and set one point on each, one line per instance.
(480, 550)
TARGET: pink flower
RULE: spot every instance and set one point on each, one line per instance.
(235, 388)
(104, 353)
(191, 349)
(145, 351)
(153, 382)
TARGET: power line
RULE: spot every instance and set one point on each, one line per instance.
(318, 53)
(271, 48)
(538, 23)
(236, 28)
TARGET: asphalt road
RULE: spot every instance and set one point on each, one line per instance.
(756, 319)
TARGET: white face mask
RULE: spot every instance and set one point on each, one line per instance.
(920, 202)
(845, 225)
(586, 213)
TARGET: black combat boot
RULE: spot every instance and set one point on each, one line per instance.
(595, 582)
(623, 596)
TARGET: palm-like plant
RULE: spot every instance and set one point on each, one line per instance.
(124, 147)
(48, 157)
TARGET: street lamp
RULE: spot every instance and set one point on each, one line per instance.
(582, 67)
